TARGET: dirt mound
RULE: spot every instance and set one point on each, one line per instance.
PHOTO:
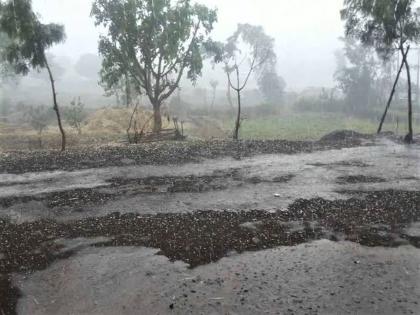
(342, 135)
(115, 120)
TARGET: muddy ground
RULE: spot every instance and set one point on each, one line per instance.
(324, 228)
(158, 153)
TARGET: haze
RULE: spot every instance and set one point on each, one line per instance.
(305, 43)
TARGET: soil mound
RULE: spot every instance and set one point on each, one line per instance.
(343, 135)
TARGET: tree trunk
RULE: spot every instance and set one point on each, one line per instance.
(128, 99)
(391, 96)
(409, 137)
(238, 118)
(229, 96)
(56, 109)
(157, 125)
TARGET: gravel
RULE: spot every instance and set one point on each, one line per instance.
(18, 162)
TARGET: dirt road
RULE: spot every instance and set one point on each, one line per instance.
(324, 230)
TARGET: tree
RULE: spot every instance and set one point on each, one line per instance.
(7, 73)
(42, 74)
(358, 72)
(30, 39)
(213, 84)
(258, 52)
(154, 42)
(122, 89)
(89, 66)
(271, 86)
(8, 79)
(389, 26)
(75, 115)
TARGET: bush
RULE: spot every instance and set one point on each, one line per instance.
(75, 115)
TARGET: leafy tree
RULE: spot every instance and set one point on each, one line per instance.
(30, 39)
(387, 25)
(248, 43)
(75, 115)
(7, 73)
(89, 66)
(358, 71)
(154, 42)
(56, 67)
(271, 86)
(123, 89)
(8, 79)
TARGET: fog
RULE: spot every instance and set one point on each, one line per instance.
(232, 157)
(318, 76)
(306, 32)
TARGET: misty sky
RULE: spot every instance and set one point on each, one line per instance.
(306, 32)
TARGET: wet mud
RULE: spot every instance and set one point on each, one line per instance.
(202, 237)
(363, 195)
(121, 188)
(158, 153)
(359, 179)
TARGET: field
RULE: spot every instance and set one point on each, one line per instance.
(107, 126)
(303, 126)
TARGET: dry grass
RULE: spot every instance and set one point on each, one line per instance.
(103, 126)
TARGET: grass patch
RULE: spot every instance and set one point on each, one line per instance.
(308, 126)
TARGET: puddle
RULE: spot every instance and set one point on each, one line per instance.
(317, 278)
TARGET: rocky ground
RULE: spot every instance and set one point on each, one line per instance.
(260, 234)
(157, 153)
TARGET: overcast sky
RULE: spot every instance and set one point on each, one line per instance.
(306, 31)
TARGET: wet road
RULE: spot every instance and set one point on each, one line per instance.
(318, 278)
(268, 182)
(321, 277)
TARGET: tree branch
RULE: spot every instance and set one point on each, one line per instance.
(181, 70)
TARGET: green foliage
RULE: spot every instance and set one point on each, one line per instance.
(307, 126)
(385, 24)
(29, 38)
(7, 72)
(272, 86)
(359, 75)
(250, 42)
(259, 47)
(154, 42)
(75, 114)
